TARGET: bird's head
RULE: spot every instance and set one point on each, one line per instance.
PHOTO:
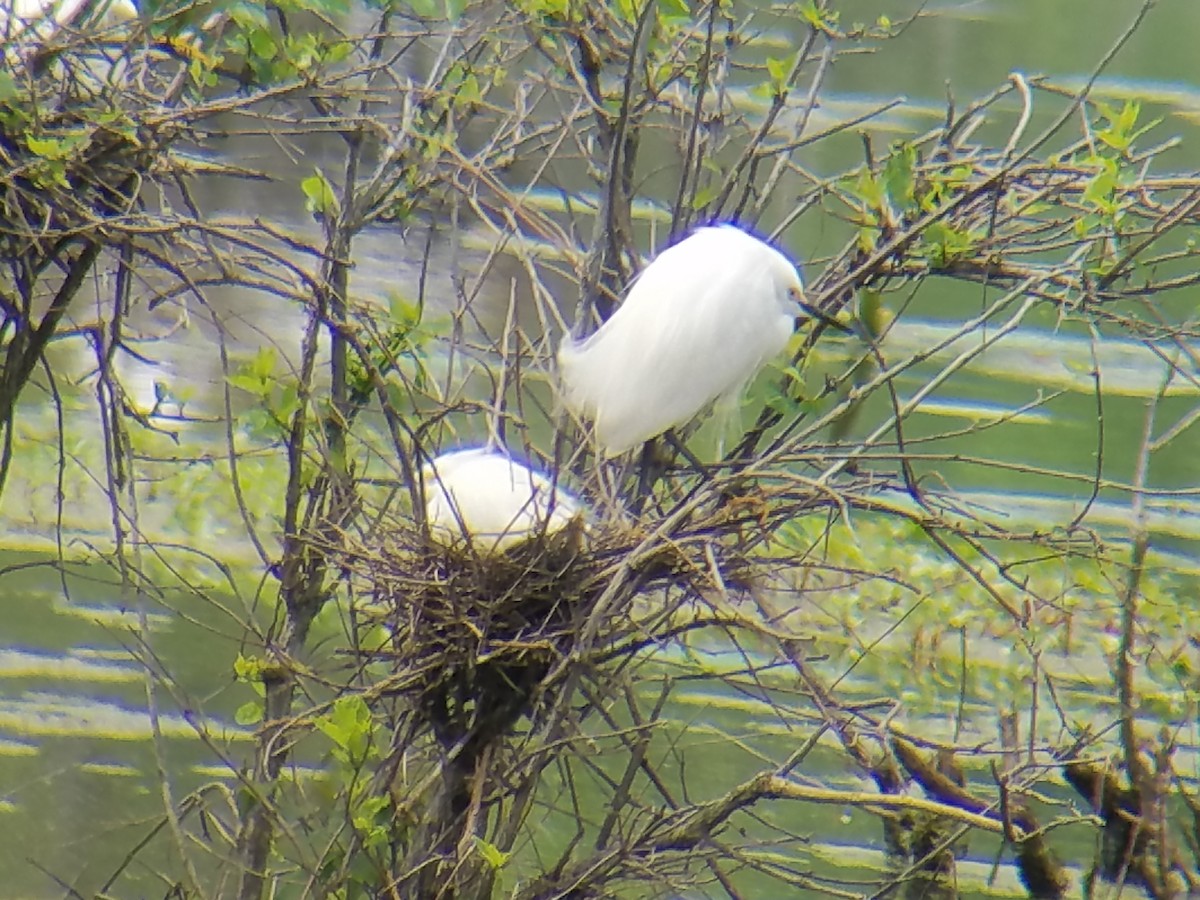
(115, 11)
(795, 299)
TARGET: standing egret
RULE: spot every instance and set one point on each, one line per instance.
(696, 326)
(497, 501)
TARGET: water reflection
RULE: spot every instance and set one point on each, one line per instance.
(43, 714)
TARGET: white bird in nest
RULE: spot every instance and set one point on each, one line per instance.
(26, 23)
(495, 500)
(696, 327)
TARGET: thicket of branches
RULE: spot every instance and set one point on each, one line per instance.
(655, 711)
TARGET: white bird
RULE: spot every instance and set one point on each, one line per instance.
(45, 17)
(696, 326)
(29, 27)
(496, 500)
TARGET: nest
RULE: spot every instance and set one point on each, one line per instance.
(470, 638)
(473, 642)
(74, 142)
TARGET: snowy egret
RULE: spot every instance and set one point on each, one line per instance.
(497, 501)
(28, 29)
(696, 326)
(43, 18)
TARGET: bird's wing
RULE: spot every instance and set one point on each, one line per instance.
(689, 331)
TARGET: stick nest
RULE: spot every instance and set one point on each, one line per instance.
(75, 144)
(470, 637)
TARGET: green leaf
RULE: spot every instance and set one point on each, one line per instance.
(762, 91)
(492, 855)
(262, 365)
(1129, 115)
(249, 713)
(248, 14)
(303, 51)
(1120, 133)
(331, 8)
(468, 91)
(57, 148)
(704, 196)
(368, 818)
(897, 175)
(247, 668)
(247, 383)
(867, 238)
(1101, 189)
(818, 18)
(403, 312)
(868, 189)
(319, 196)
(350, 726)
(257, 375)
(628, 10)
(871, 313)
(947, 243)
(202, 73)
(286, 401)
(777, 72)
(262, 44)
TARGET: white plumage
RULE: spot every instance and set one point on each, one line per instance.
(496, 499)
(45, 17)
(696, 326)
(28, 26)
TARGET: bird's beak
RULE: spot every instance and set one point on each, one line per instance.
(812, 312)
(824, 318)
